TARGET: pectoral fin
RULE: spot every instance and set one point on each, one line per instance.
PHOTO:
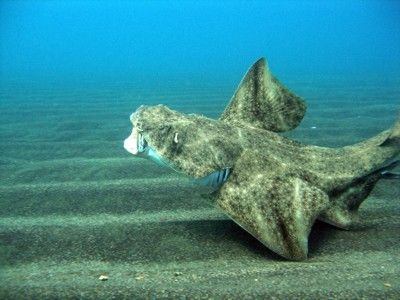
(278, 211)
(262, 101)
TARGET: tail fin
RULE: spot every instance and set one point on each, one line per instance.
(394, 137)
(346, 201)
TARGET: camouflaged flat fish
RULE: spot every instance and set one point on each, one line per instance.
(273, 187)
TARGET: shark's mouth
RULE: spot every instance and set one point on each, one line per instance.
(137, 145)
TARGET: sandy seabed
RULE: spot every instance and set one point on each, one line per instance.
(74, 205)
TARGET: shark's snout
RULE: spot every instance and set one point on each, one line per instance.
(131, 143)
(135, 143)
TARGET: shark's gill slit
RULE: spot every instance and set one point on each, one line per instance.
(216, 179)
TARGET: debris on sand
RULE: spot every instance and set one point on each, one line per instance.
(387, 284)
(103, 277)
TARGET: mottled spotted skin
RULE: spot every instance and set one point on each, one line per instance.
(276, 207)
(278, 187)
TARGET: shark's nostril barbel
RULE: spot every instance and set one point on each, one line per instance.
(131, 142)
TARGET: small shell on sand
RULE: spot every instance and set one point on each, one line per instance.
(103, 277)
(387, 284)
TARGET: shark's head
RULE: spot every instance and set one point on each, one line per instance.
(146, 125)
(192, 144)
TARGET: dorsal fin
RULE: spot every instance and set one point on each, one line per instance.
(262, 101)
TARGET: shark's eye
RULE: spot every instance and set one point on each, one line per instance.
(176, 138)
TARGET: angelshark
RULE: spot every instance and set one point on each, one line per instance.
(273, 187)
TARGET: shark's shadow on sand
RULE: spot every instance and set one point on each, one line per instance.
(169, 241)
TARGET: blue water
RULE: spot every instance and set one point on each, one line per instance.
(74, 204)
(131, 41)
